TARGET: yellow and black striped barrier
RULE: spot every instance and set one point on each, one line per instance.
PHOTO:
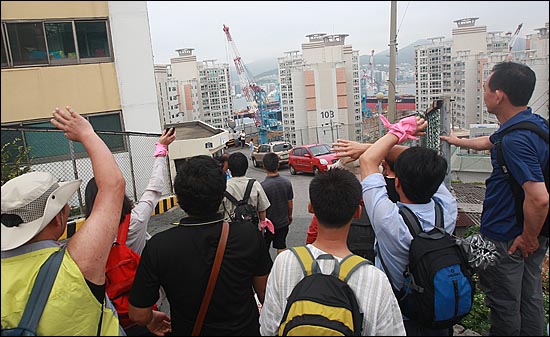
(71, 228)
(163, 206)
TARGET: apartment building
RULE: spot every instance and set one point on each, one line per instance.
(189, 90)
(93, 55)
(459, 68)
(79, 53)
(320, 91)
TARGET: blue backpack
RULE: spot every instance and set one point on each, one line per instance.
(439, 288)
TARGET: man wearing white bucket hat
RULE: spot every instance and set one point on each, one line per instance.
(34, 216)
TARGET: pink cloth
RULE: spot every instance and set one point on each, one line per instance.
(160, 150)
(403, 130)
(267, 223)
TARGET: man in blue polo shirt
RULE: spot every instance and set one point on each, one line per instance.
(513, 287)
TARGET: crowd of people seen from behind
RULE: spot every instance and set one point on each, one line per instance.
(213, 274)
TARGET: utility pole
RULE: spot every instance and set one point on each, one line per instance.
(393, 51)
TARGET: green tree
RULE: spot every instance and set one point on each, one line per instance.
(15, 160)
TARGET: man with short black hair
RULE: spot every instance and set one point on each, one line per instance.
(280, 194)
(513, 287)
(334, 199)
(236, 186)
(180, 260)
(419, 181)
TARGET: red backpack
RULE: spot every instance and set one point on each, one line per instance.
(121, 269)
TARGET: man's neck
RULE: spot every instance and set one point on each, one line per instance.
(333, 241)
(272, 174)
(508, 113)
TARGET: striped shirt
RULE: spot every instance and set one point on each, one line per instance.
(382, 316)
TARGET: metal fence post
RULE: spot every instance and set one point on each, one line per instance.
(445, 130)
(75, 171)
(132, 167)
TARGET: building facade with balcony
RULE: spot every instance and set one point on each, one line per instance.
(320, 91)
(191, 90)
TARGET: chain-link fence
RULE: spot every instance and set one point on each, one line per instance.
(50, 151)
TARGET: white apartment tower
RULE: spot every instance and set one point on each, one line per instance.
(320, 91)
(167, 88)
(190, 90)
(433, 72)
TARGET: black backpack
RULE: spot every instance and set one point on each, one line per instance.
(243, 210)
(519, 196)
(438, 290)
(361, 237)
(318, 294)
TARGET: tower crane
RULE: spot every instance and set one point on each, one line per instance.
(255, 96)
(514, 37)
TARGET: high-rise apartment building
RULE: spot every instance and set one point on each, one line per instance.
(320, 91)
(79, 53)
(190, 90)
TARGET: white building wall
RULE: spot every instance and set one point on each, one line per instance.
(133, 54)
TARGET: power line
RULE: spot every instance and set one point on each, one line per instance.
(402, 19)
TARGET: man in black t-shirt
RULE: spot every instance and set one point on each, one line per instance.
(280, 194)
(180, 260)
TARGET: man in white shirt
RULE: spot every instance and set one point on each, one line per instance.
(334, 199)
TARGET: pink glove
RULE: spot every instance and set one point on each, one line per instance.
(160, 150)
(404, 129)
(267, 223)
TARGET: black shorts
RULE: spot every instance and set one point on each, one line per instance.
(278, 239)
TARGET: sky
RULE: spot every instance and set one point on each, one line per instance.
(267, 29)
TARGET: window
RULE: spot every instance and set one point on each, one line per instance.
(60, 39)
(92, 39)
(27, 44)
(55, 42)
(58, 148)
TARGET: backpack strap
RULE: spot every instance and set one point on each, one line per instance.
(411, 220)
(231, 198)
(304, 256)
(414, 226)
(517, 191)
(123, 230)
(350, 264)
(246, 193)
(248, 189)
(41, 291)
(521, 125)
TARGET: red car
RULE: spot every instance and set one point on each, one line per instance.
(312, 158)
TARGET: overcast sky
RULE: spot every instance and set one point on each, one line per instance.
(267, 29)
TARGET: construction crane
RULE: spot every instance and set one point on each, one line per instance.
(514, 38)
(255, 96)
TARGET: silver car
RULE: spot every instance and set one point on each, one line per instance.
(281, 148)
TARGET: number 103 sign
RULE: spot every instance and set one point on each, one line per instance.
(327, 116)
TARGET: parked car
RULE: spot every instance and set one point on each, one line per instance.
(282, 149)
(312, 158)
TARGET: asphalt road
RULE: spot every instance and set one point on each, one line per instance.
(301, 216)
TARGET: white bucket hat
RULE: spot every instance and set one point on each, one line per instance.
(36, 198)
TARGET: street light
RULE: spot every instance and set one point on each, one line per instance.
(379, 97)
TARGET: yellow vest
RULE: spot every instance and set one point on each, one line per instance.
(71, 309)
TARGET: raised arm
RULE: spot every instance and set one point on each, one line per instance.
(478, 143)
(141, 213)
(352, 149)
(90, 246)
